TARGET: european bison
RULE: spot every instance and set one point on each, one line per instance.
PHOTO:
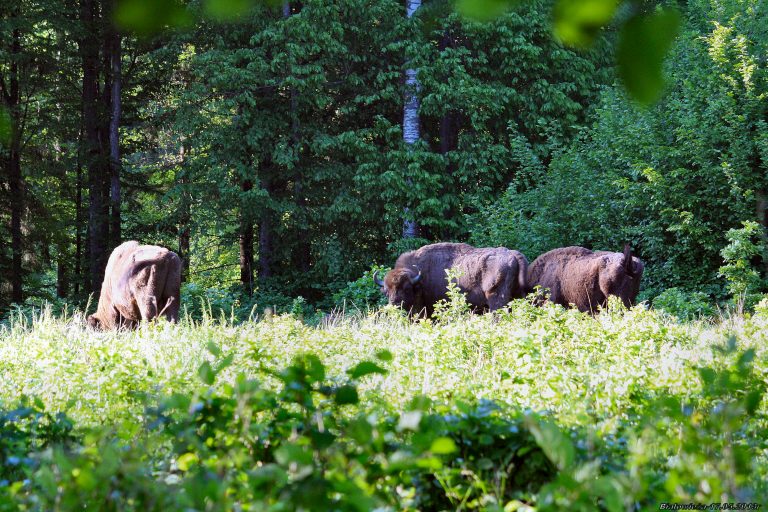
(141, 282)
(490, 277)
(575, 275)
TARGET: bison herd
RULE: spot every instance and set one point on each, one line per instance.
(491, 277)
(142, 282)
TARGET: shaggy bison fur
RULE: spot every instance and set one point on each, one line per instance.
(575, 275)
(141, 282)
(490, 277)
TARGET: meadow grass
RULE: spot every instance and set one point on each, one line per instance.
(614, 411)
(578, 367)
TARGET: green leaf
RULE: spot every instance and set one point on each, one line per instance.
(184, 462)
(752, 401)
(443, 446)
(708, 375)
(643, 42)
(483, 10)
(148, 17)
(360, 430)
(556, 446)
(321, 440)
(365, 368)
(346, 395)
(5, 127)
(577, 22)
(747, 357)
(290, 453)
(314, 368)
(384, 355)
(225, 10)
(429, 463)
(206, 373)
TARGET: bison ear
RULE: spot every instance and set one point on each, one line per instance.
(93, 322)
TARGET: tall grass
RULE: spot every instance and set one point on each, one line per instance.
(574, 365)
(537, 407)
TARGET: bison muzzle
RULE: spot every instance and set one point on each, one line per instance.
(141, 282)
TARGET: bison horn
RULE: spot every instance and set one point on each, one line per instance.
(376, 279)
(416, 279)
(628, 258)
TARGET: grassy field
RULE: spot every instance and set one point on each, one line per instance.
(626, 409)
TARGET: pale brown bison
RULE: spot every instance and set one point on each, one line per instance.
(490, 277)
(141, 282)
(575, 275)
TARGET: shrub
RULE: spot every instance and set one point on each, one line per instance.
(744, 281)
(362, 293)
(685, 305)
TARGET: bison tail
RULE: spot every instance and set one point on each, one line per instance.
(167, 304)
(522, 274)
(628, 258)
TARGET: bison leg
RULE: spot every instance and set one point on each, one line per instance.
(171, 299)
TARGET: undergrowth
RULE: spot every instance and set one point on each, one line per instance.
(531, 408)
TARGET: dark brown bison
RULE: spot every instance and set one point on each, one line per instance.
(141, 282)
(490, 277)
(575, 275)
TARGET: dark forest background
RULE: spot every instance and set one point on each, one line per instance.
(268, 149)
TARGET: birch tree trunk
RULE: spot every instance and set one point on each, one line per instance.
(411, 129)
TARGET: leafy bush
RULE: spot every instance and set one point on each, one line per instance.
(200, 302)
(683, 304)
(362, 293)
(455, 305)
(540, 407)
(744, 281)
(673, 178)
(308, 444)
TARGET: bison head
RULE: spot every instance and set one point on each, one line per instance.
(93, 322)
(402, 287)
(624, 276)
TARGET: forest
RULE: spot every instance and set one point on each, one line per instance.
(288, 152)
(269, 151)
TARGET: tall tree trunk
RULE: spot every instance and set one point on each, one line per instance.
(15, 180)
(246, 244)
(97, 222)
(265, 235)
(104, 112)
(114, 140)
(411, 130)
(302, 254)
(762, 218)
(185, 218)
(62, 273)
(78, 225)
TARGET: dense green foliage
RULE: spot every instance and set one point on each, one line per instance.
(674, 178)
(263, 141)
(388, 413)
(267, 147)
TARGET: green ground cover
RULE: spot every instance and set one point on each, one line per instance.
(530, 408)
